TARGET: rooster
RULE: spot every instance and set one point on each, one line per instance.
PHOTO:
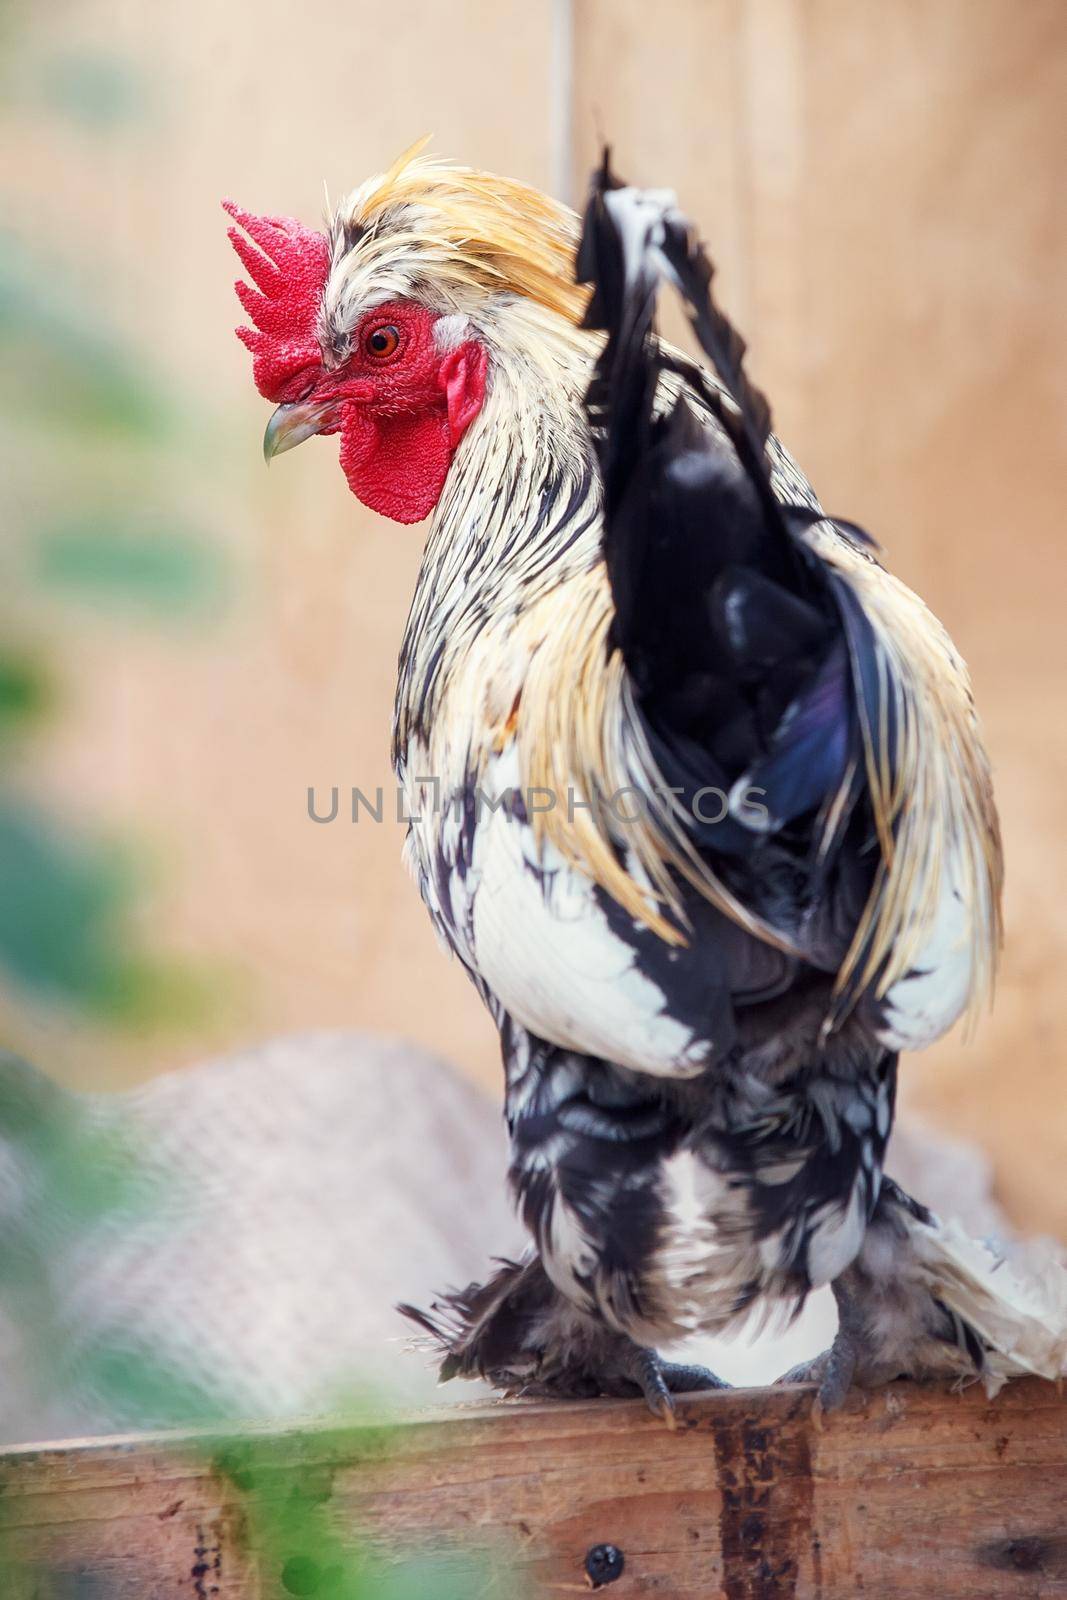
(697, 789)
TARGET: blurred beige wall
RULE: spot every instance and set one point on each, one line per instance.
(881, 185)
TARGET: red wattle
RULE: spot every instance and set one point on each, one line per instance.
(400, 425)
(396, 465)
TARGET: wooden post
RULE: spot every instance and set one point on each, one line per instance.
(910, 1492)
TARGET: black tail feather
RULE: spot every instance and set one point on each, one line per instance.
(753, 672)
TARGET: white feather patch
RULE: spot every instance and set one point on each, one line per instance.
(546, 950)
(450, 332)
(930, 998)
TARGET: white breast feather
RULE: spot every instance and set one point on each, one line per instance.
(545, 948)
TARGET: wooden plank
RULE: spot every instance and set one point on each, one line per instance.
(910, 1492)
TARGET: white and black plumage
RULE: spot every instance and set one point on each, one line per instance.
(700, 800)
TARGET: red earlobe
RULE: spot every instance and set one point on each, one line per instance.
(462, 377)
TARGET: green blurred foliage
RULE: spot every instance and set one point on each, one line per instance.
(26, 692)
(61, 905)
(147, 566)
(71, 1175)
(65, 928)
(94, 89)
(86, 429)
(62, 368)
(292, 1528)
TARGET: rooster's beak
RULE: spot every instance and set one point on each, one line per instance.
(291, 424)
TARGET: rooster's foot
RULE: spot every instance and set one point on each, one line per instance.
(833, 1371)
(624, 1369)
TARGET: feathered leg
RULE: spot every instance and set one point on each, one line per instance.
(519, 1333)
(894, 1320)
(536, 1326)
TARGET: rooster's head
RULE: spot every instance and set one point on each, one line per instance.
(387, 328)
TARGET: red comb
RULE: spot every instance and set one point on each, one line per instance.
(289, 265)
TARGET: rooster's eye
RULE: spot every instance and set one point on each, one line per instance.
(382, 342)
